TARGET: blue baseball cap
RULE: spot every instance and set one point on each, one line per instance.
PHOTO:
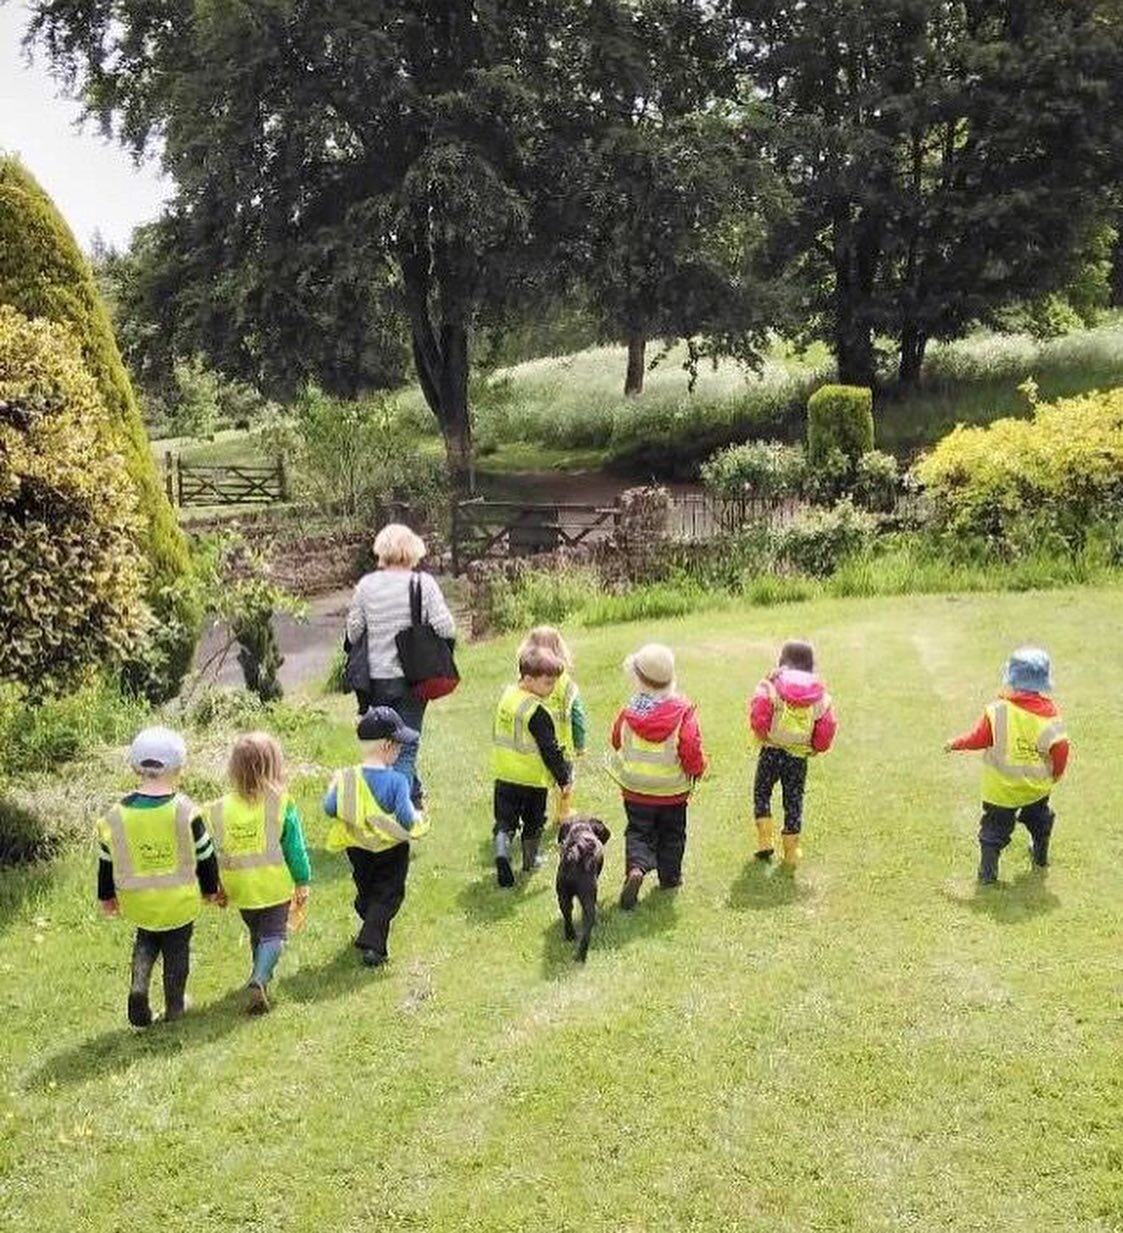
(383, 723)
(1028, 670)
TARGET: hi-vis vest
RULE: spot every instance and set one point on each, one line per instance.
(793, 726)
(514, 751)
(560, 705)
(153, 854)
(1017, 768)
(247, 840)
(650, 768)
(360, 821)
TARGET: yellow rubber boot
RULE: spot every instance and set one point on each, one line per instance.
(765, 839)
(791, 850)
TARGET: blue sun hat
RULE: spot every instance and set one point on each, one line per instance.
(1029, 671)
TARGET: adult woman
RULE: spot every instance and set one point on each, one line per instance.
(380, 609)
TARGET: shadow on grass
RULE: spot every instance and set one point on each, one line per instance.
(484, 902)
(1026, 896)
(656, 913)
(328, 867)
(19, 886)
(116, 1050)
(341, 974)
(761, 886)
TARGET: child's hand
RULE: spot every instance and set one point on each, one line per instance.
(109, 907)
(218, 898)
(300, 894)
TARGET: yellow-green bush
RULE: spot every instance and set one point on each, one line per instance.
(71, 573)
(1022, 483)
(44, 274)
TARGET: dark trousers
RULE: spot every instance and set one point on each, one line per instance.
(997, 827)
(777, 766)
(517, 805)
(394, 692)
(267, 924)
(380, 888)
(655, 838)
(175, 946)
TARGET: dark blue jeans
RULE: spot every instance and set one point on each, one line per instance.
(394, 692)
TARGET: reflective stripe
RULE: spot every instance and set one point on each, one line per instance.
(778, 734)
(995, 755)
(374, 831)
(272, 853)
(673, 782)
(1050, 735)
(520, 739)
(125, 876)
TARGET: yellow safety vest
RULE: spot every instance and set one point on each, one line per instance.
(247, 840)
(153, 854)
(650, 768)
(560, 705)
(793, 726)
(514, 751)
(1017, 768)
(359, 819)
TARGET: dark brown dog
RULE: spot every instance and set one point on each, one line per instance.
(581, 841)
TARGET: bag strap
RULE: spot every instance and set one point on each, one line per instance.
(415, 598)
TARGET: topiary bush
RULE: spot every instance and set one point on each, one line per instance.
(44, 274)
(71, 572)
(1025, 485)
(839, 417)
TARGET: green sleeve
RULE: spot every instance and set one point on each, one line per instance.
(292, 845)
(577, 721)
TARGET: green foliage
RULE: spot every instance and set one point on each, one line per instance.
(760, 468)
(71, 576)
(536, 597)
(650, 602)
(43, 274)
(839, 417)
(195, 408)
(877, 482)
(818, 540)
(355, 457)
(1023, 484)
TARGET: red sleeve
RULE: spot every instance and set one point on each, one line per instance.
(760, 713)
(822, 735)
(1059, 754)
(690, 755)
(615, 738)
(978, 738)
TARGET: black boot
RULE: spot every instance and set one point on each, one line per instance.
(504, 875)
(988, 864)
(1039, 851)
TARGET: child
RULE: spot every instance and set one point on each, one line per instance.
(525, 759)
(659, 756)
(1025, 752)
(564, 703)
(375, 820)
(261, 854)
(156, 856)
(790, 715)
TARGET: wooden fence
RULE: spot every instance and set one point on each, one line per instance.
(189, 485)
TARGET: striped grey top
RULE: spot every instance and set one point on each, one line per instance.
(380, 605)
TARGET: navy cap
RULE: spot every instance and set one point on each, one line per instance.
(383, 723)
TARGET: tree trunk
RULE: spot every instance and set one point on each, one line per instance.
(856, 251)
(633, 381)
(913, 344)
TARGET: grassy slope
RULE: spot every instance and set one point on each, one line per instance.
(870, 1046)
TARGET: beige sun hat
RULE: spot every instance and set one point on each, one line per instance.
(655, 663)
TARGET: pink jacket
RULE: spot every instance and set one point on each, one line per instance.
(797, 689)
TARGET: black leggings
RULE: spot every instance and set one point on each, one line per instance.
(778, 766)
(175, 946)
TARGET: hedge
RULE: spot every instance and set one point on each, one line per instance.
(839, 417)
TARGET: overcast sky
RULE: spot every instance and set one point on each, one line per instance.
(95, 184)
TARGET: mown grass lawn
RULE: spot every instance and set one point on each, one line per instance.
(872, 1046)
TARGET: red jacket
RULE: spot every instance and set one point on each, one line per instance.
(797, 689)
(981, 737)
(654, 720)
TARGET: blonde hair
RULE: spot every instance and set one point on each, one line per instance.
(537, 661)
(547, 638)
(256, 765)
(396, 544)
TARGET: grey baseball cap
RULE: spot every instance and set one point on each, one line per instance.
(157, 749)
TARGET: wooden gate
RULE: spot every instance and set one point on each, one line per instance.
(482, 529)
(189, 485)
